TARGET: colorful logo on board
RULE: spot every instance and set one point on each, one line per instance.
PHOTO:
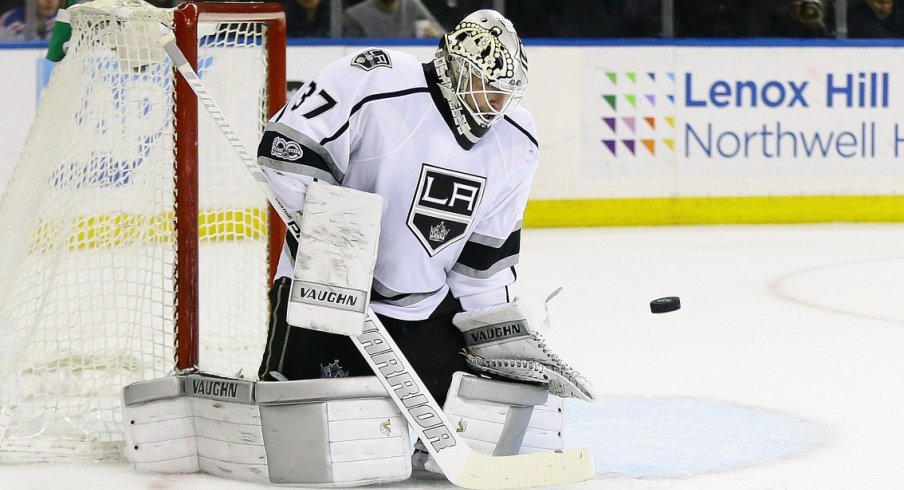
(638, 113)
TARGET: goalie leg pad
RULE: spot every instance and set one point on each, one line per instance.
(546, 429)
(342, 432)
(334, 265)
(159, 430)
(504, 418)
(349, 434)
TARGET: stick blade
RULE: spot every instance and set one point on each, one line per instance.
(482, 471)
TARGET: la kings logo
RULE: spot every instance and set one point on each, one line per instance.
(444, 206)
(372, 58)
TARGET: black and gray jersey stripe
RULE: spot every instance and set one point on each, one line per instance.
(381, 293)
(315, 160)
(484, 256)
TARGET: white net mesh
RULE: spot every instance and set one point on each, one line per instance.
(87, 269)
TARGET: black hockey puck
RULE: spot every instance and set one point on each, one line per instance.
(665, 305)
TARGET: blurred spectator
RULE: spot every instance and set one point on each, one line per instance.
(801, 18)
(713, 18)
(540, 18)
(307, 18)
(13, 25)
(450, 12)
(390, 18)
(610, 18)
(875, 19)
(586, 18)
(641, 18)
(8, 5)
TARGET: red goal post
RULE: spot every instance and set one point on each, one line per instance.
(186, 19)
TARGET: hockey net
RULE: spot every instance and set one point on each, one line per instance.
(134, 243)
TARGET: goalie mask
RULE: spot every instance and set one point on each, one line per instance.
(483, 71)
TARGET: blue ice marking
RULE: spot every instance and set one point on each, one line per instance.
(668, 437)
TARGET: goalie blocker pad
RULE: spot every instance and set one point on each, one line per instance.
(335, 260)
(337, 432)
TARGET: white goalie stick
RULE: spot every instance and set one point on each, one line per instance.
(462, 466)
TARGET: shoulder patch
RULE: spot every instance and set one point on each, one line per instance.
(372, 58)
(286, 149)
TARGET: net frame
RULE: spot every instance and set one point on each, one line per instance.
(113, 230)
(185, 20)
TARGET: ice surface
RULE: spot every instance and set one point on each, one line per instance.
(781, 371)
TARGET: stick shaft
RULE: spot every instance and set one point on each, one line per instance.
(197, 86)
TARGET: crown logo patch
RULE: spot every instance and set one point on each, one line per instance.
(438, 233)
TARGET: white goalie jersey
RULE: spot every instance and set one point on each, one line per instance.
(376, 121)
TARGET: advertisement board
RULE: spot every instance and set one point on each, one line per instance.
(662, 133)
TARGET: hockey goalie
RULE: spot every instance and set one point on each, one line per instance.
(452, 153)
(409, 181)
